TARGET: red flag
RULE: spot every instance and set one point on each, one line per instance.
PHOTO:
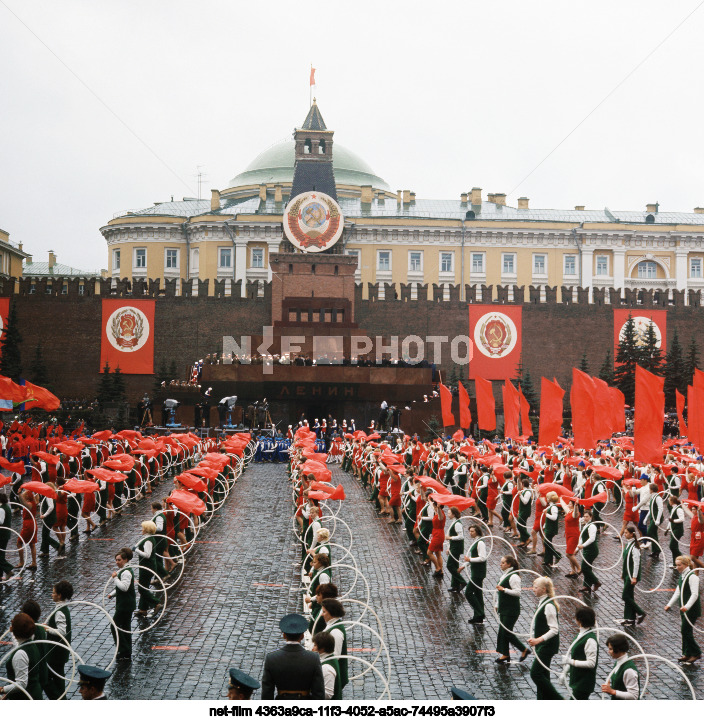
(618, 410)
(4, 313)
(446, 405)
(10, 391)
(526, 426)
(602, 410)
(649, 417)
(128, 336)
(312, 76)
(42, 398)
(465, 415)
(679, 400)
(695, 410)
(486, 413)
(511, 410)
(582, 401)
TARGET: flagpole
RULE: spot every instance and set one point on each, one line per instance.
(310, 89)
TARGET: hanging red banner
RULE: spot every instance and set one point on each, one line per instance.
(127, 338)
(496, 333)
(641, 319)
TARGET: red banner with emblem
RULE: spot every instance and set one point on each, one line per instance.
(641, 318)
(128, 336)
(4, 313)
(496, 333)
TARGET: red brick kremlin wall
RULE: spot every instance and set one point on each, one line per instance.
(555, 335)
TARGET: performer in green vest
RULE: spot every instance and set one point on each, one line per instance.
(623, 683)
(23, 665)
(686, 597)
(125, 596)
(630, 574)
(507, 521)
(473, 591)
(508, 606)
(483, 493)
(146, 558)
(525, 504)
(408, 506)
(47, 519)
(5, 525)
(455, 536)
(34, 611)
(654, 519)
(550, 529)
(59, 620)
(583, 656)
(425, 524)
(544, 638)
(589, 545)
(675, 527)
(324, 644)
(333, 614)
(319, 574)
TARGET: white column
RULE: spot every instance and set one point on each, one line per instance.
(274, 247)
(681, 269)
(241, 263)
(619, 270)
(587, 260)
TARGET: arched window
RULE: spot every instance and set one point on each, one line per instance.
(647, 269)
(307, 147)
(321, 147)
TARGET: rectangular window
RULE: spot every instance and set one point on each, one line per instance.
(257, 257)
(383, 260)
(602, 265)
(570, 265)
(225, 258)
(508, 266)
(171, 258)
(116, 260)
(647, 269)
(140, 258)
(477, 262)
(447, 264)
(539, 265)
(81, 289)
(695, 268)
(415, 261)
(356, 254)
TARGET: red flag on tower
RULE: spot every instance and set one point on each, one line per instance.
(312, 76)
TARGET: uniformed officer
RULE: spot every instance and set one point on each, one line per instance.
(92, 682)
(241, 686)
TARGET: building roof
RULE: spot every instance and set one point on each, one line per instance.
(314, 120)
(427, 209)
(60, 270)
(275, 165)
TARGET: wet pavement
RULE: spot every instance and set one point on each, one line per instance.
(243, 576)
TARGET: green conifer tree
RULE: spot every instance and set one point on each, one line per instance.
(675, 378)
(119, 389)
(651, 352)
(105, 387)
(584, 363)
(606, 372)
(692, 361)
(628, 356)
(38, 373)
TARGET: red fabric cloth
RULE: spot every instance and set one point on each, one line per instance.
(603, 416)
(679, 400)
(446, 406)
(28, 532)
(550, 412)
(511, 409)
(465, 415)
(526, 427)
(486, 414)
(582, 401)
(649, 417)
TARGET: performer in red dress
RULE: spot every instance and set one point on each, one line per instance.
(571, 536)
(437, 538)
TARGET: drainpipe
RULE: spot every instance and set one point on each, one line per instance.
(184, 227)
(462, 293)
(579, 250)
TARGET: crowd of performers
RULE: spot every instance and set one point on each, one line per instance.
(463, 503)
(71, 485)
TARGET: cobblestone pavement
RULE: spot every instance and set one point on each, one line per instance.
(243, 576)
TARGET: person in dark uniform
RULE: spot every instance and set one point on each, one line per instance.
(241, 686)
(92, 682)
(125, 596)
(292, 672)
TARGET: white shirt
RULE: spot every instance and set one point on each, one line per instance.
(643, 497)
(633, 561)
(591, 535)
(329, 677)
(590, 651)
(59, 619)
(630, 681)
(514, 588)
(145, 551)
(693, 582)
(20, 664)
(481, 555)
(550, 617)
(457, 530)
(333, 628)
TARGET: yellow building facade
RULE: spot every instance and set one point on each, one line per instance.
(11, 256)
(474, 239)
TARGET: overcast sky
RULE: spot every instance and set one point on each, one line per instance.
(436, 97)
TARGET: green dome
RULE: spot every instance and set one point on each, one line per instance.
(275, 165)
